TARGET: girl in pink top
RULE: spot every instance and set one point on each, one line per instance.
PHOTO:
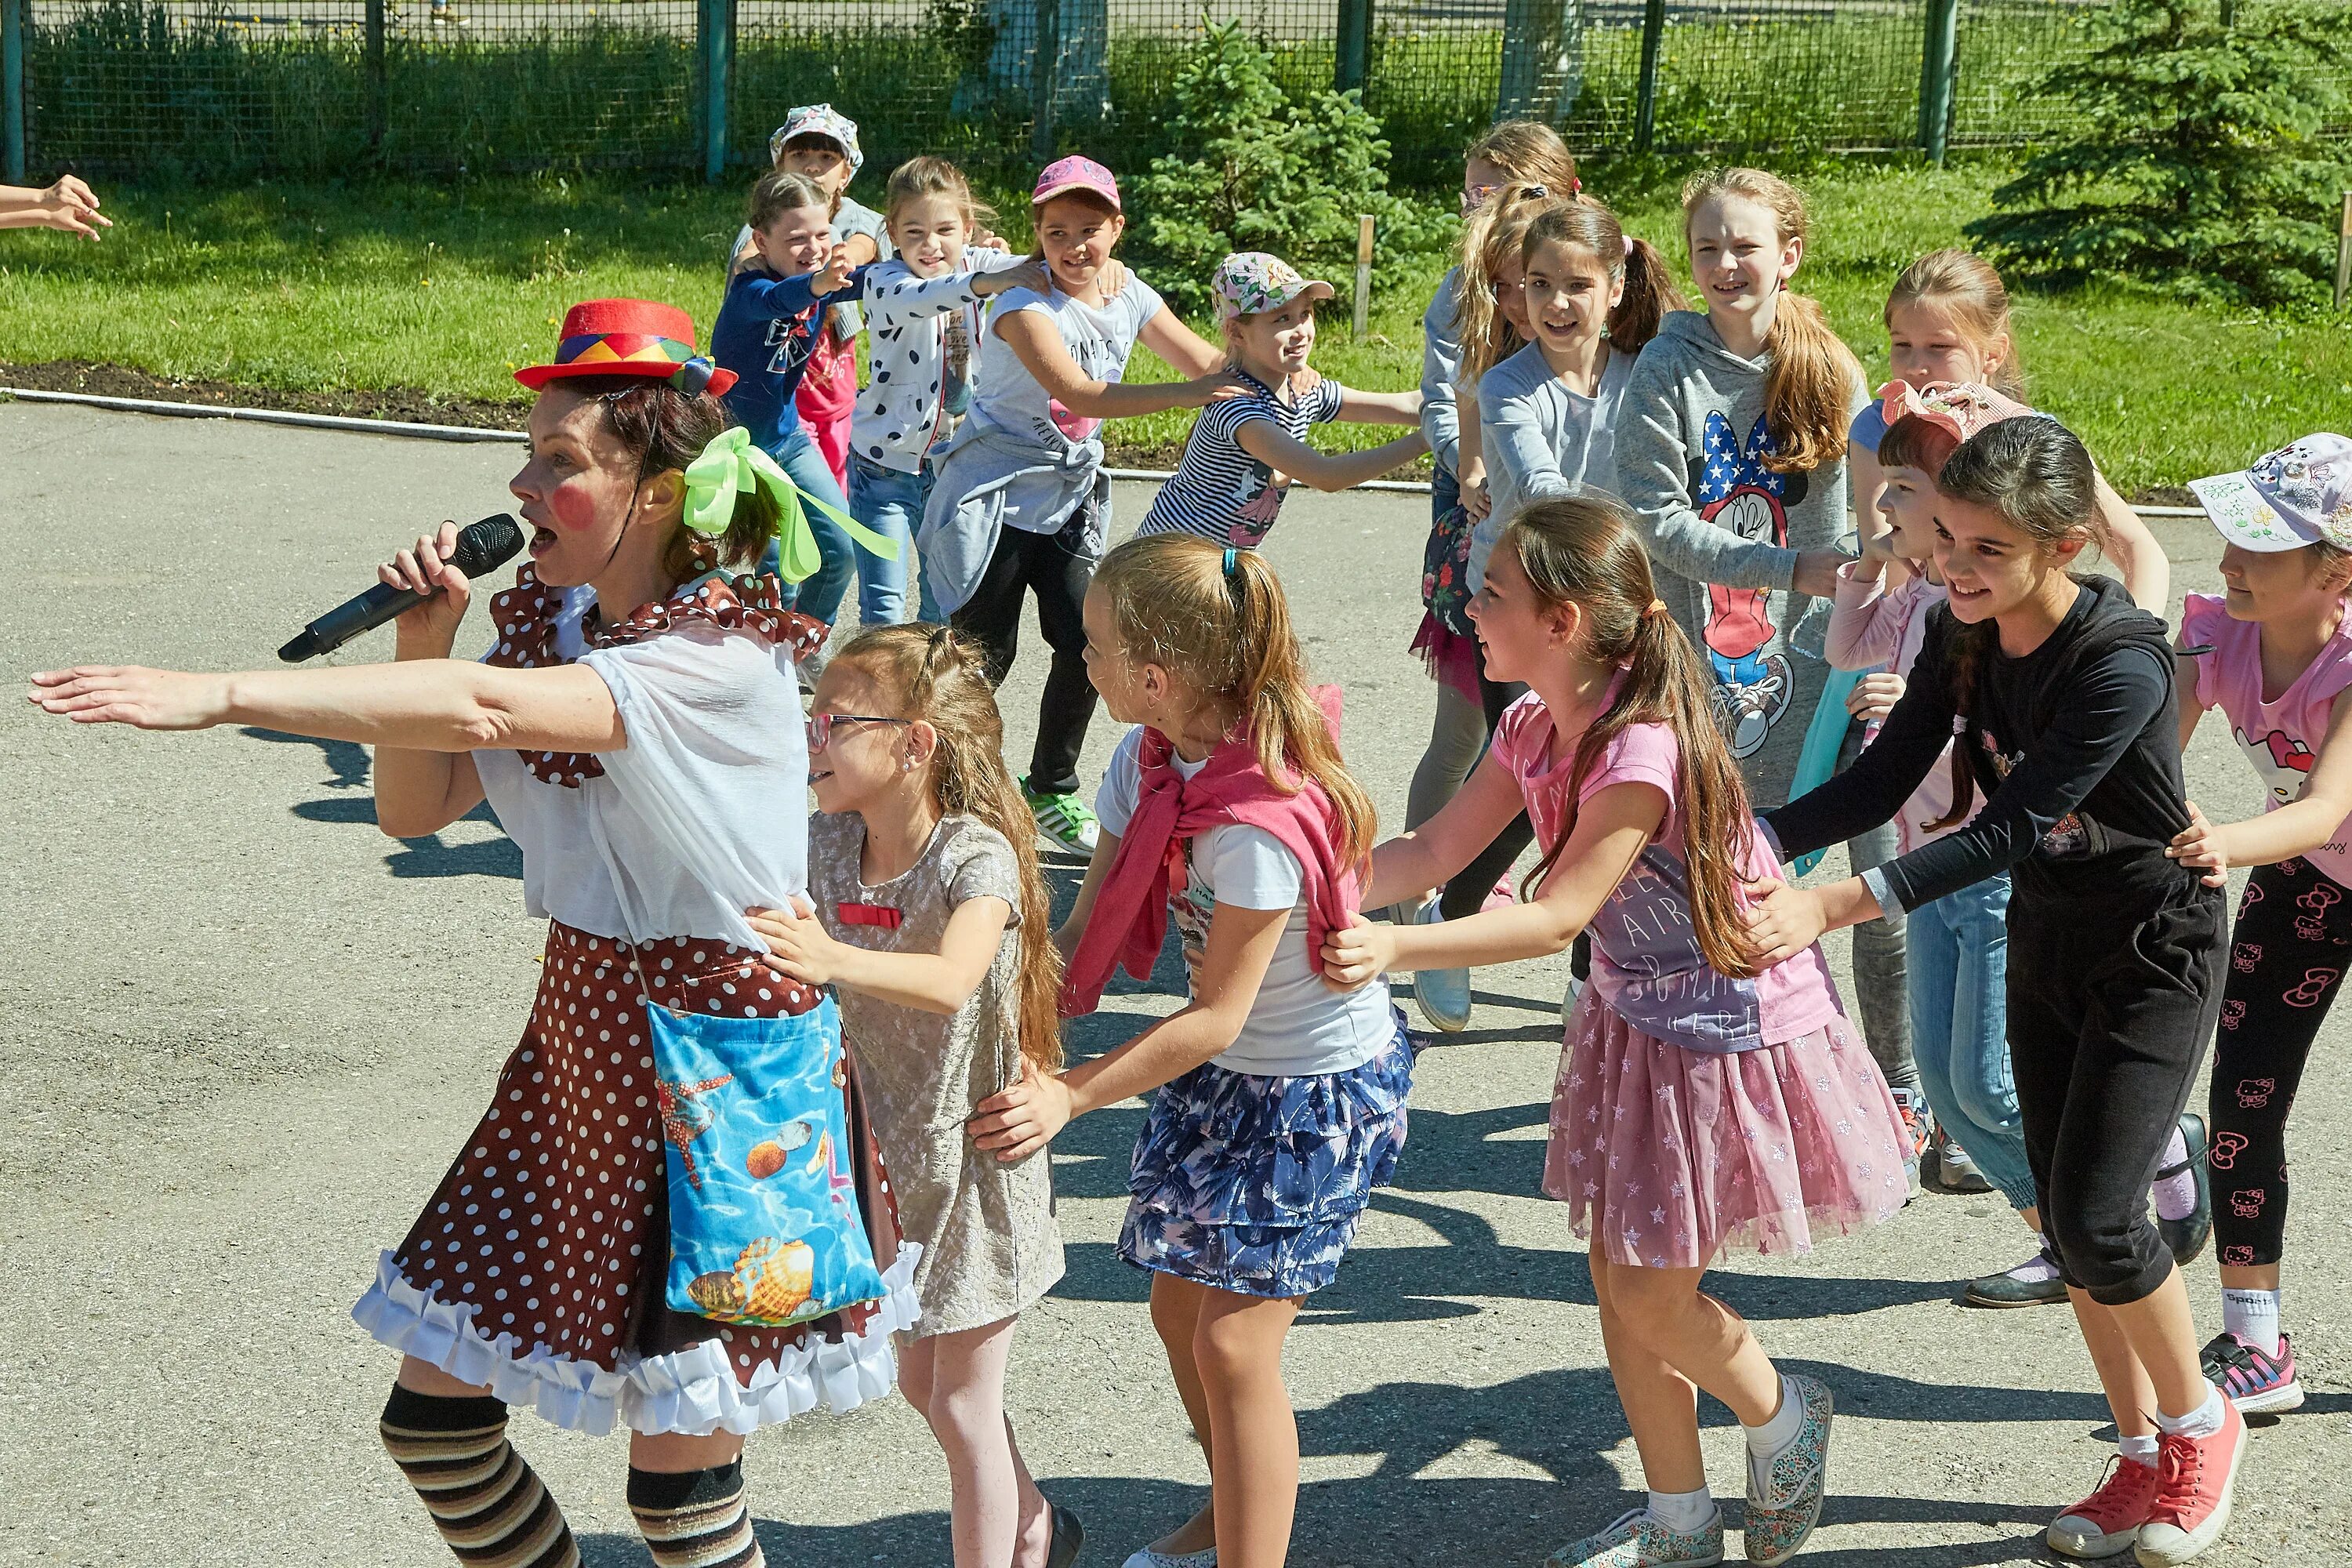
(2274, 653)
(1704, 1099)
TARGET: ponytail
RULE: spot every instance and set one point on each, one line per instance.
(1809, 388)
(1217, 618)
(1649, 295)
(1584, 550)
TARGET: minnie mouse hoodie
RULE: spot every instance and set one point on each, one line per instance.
(1724, 532)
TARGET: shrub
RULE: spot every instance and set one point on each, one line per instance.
(1251, 167)
(2194, 159)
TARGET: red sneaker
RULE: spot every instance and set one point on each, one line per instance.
(2195, 1478)
(2107, 1520)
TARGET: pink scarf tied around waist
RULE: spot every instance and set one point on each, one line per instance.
(1130, 911)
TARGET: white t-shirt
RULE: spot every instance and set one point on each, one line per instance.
(1009, 398)
(1297, 1026)
(704, 811)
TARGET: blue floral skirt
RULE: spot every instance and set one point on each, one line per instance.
(1255, 1185)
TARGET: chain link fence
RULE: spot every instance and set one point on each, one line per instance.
(229, 89)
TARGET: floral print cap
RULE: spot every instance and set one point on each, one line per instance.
(1249, 281)
(2299, 495)
(818, 119)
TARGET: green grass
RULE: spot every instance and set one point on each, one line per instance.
(445, 288)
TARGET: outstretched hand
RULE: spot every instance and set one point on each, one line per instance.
(129, 694)
(1023, 1116)
(1356, 955)
(1783, 921)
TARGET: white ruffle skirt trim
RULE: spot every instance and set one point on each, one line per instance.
(695, 1391)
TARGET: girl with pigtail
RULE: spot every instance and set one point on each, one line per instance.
(930, 921)
(1278, 1102)
(1706, 1096)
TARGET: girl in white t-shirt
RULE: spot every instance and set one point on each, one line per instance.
(1279, 1103)
(1021, 505)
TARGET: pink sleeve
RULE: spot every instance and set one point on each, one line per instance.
(1642, 753)
(1510, 744)
(1865, 622)
(2202, 619)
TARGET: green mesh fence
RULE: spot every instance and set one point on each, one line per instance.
(227, 89)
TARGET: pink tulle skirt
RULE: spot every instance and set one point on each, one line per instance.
(1666, 1155)
(1450, 659)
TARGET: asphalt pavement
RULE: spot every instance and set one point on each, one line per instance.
(242, 1033)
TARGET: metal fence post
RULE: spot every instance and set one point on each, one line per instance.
(11, 88)
(1938, 59)
(1645, 101)
(1045, 80)
(377, 113)
(714, 20)
(1351, 62)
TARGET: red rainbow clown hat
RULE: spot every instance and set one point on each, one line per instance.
(629, 337)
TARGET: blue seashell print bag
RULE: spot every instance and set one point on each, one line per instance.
(763, 1218)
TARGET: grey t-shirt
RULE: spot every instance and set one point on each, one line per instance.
(990, 1245)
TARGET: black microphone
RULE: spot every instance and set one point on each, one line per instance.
(482, 549)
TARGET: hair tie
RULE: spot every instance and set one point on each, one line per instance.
(1537, 190)
(1233, 563)
(1656, 607)
(1628, 243)
(1575, 185)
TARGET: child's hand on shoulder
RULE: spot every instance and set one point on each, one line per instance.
(1217, 387)
(2199, 847)
(1031, 275)
(1358, 954)
(799, 947)
(1023, 1116)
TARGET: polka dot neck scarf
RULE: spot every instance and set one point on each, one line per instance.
(525, 615)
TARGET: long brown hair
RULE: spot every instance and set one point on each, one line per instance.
(1809, 390)
(1591, 228)
(1495, 233)
(664, 430)
(2035, 475)
(1964, 286)
(1227, 635)
(930, 673)
(1582, 550)
(1531, 153)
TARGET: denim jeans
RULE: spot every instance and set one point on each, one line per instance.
(803, 463)
(1956, 964)
(891, 502)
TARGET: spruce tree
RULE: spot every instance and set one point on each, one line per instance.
(2193, 158)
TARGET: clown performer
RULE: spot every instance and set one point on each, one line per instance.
(647, 759)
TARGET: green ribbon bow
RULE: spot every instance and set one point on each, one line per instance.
(732, 466)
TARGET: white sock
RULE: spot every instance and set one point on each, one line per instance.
(2254, 1317)
(2176, 1196)
(2036, 1269)
(1683, 1511)
(1781, 1430)
(2140, 1451)
(2202, 1422)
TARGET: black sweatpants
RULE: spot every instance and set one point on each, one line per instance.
(2107, 1020)
(1057, 567)
(2287, 956)
(1467, 893)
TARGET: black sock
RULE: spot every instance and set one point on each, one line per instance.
(486, 1503)
(694, 1519)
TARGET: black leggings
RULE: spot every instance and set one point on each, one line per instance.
(2287, 956)
(1057, 569)
(2107, 1017)
(1467, 893)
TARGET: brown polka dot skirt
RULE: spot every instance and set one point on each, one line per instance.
(537, 1268)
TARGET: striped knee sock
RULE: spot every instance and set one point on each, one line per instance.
(488, 1504)
(694, 1519)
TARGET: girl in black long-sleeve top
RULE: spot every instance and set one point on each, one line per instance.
(2059, 696)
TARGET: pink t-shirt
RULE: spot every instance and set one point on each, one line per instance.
(1871, 628)
(2281, 736)
(1646, 963)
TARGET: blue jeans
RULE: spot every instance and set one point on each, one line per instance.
(1958, 977)
(891, 502)
(821, 595)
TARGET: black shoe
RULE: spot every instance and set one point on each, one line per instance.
(1062, 1546)
(2187, 1236)
(2010, 1288)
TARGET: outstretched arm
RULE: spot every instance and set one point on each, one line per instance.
(1360, 408)
(1269, 444)
(2147, 571)
(1192, 354)
(1041, 353)
(942, 981)
(70, 205)
(2301, 825)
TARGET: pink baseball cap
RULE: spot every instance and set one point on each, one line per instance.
(1064, 175)
(1960, 409)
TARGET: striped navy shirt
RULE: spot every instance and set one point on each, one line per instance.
(1220, 491)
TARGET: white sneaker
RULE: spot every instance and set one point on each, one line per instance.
(1147, 1558)
(1442, 994)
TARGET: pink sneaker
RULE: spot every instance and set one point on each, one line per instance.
(2196, 1478)
(2108, 1520)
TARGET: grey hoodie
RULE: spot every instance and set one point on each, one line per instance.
(1724, 532)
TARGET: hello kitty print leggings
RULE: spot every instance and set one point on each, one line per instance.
(2287, 954)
